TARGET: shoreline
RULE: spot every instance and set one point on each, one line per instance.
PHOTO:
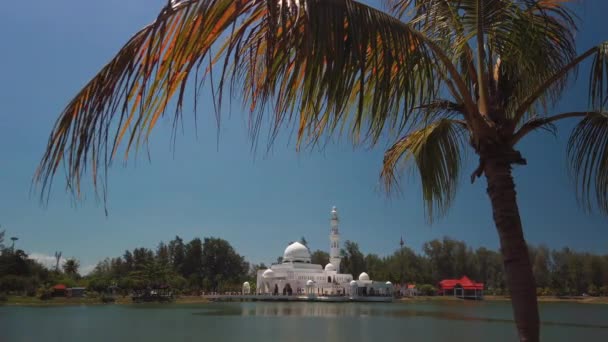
(62, 301)
(184, 300)
(489, 298)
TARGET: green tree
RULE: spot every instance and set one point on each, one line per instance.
(162, 253)
(319, 257)
(221, 264)
(353, 261)
(70, 267)
(435, 76)
(192, 267)
(177, 253)
(540, 267)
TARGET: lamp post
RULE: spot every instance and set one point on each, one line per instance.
(14, 238)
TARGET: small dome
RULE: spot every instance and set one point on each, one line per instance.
(246, 284)
(296, 252)
(363, 276)
(330, 267)
(310, 282)
(353, 283)
(268, 274)
(389, 283)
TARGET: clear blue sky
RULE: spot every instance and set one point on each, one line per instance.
(257, 202)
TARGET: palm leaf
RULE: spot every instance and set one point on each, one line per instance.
(588, 160)
(435, 150)
(321, 65)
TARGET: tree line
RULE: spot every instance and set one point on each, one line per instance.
(22, 275)
(558, 272)
(212, 264)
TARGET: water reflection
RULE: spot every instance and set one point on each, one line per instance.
(326, 310)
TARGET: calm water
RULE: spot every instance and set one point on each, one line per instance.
(473, 321)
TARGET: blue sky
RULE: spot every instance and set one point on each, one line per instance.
(259, 201)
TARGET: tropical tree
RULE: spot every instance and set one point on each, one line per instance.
(319, 257)
(437, 76)
(70, 267)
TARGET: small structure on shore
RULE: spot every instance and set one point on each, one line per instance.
(461, 288)
(158, 294)
(76, 292)
(246, 288)
(409, 290)
(59, 290)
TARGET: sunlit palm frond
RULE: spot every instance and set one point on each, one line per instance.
(515, 44)
(435, 150)
(322, 65)
(588, 159)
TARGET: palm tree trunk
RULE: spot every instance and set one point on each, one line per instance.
(520, 279)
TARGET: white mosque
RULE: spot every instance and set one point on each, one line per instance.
(297, 276)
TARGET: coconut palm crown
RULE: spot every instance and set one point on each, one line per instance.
(438, 76)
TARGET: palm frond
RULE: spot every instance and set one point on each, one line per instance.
(598, 79)
(598, 87)
(518, 45)
(534, 42)
(320, 65)
(588, 160)
(435, 150)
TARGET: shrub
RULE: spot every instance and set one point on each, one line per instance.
(44, 293)
(107, 299)
(427, 290)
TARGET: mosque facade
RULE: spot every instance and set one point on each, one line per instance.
(297, 276)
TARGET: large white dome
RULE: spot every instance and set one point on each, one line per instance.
(296, 252)
(363, 276)
(330, 267)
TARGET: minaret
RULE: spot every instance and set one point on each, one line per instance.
(334, 240)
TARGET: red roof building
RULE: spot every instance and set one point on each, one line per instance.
(461, 288)
(59, 290)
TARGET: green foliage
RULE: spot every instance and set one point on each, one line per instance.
(70, 267)
(319, 257)
(427, 290)
(353, 261)
(44, 293)
(192, 267)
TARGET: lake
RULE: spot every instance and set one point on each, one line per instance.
(264, 321)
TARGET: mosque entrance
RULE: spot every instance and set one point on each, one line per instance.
(287, 290)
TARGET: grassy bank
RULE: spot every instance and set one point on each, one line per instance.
(33, 301)
(62, 301)
(542, 299)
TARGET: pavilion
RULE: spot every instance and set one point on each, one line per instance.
(461, 288)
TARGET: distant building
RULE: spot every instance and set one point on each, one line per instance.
(461, 288)
(76, 292)
(410, 290)
(59, 290)
(296, 275)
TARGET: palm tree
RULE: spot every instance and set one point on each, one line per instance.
(70, 267)
(437, 76)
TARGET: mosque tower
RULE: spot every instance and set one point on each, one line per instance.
(334, 240)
